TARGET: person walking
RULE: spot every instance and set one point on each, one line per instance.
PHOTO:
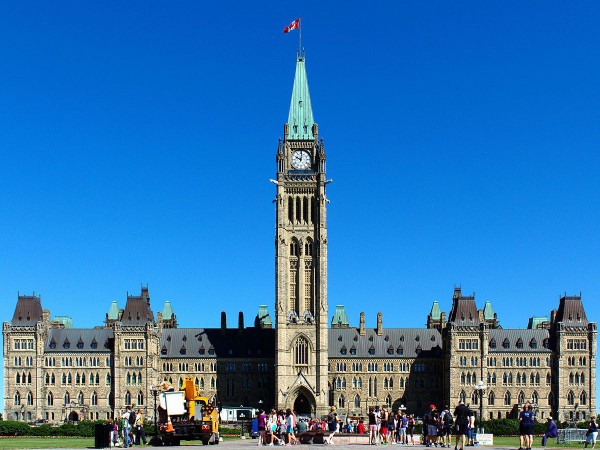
(410, 429)
(447, 422)
(592, 434)
(461, 415)
(262, 427)
(140, 434)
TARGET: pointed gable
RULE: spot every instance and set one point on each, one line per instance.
(137, 310)
(464, 311)
(28, 311)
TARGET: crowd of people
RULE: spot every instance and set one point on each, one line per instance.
(132, 429)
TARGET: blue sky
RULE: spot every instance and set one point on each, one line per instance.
(137, 140)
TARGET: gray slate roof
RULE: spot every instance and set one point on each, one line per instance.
(513, 335)
(228, 343)
(429, 341)
(82, 336)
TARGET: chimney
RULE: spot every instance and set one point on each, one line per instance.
(379, 324)
(241, 321)
(223, 321)
(361, 329)
(457, 292)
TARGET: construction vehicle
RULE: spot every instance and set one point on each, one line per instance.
(185, 415)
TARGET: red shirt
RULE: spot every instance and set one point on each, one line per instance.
(361, 428)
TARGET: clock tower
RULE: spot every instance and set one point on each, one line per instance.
(301, 259)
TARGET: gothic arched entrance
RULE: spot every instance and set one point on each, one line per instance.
(73, 416)
(304, 404)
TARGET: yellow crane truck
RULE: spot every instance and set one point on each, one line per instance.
(185, 415)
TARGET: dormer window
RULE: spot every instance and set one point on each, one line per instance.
(371, 338)
(211, 351)
(533, 343)
(493, 343)
(184, 338)
(402, 338)
(506, 343)
(163, 350)
(182, 350)
(418, 350)
(371, 350)
(202, 350)
(390, 350)
(520, 343)
(52, 344)
(66, 344)
(417, 338)
(343, 350)
(340, 338)
(400, 350)
(94, 344)
(353, 350)
(356, 338)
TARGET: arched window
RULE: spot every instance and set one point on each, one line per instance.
(535, 398)
(506, 343)
(583, 398)
(359, 383)
(341, 401)
(80, 398)
(140, 398)
(462, 397)
(201, 383)
(94, 399)
(491, 398)
(50, 399)
(533, 343)
(308, 248)
(507, 400)
(571, 378)
(294, 248)
(521, 398)
(67, 398)
(357, 401)
(570, 398)
(370, 387)
(519, 343)
(301, 352)
(475, 398)
(17, 398)
(127, 398)
(29, 399)
(493, 343)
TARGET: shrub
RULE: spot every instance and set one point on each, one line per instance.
(14, 428)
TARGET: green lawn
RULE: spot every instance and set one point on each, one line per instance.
(46, 442)
(513, 441)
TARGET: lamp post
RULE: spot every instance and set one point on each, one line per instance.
(480, 389)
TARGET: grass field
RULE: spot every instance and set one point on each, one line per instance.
(46, 442)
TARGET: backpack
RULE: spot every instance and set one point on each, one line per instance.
(132, 418)
(448, 419)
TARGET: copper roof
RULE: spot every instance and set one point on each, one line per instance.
(28, 311)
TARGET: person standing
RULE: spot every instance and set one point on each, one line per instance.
(592, 434)
(140, 434)
(126, 427)
(447, 422)
(471, 432)
(372, 426)
(526, 428)
(461, 415)
(410, 429)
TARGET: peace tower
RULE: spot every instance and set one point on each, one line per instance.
(301, 258)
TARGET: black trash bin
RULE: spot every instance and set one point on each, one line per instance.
(102, 435)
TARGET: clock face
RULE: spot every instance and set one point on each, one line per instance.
(300, 160)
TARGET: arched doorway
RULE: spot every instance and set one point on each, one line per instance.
(73, 416)
(302, 405)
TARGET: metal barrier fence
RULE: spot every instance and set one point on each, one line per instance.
(569, 435)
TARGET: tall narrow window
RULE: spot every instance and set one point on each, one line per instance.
(301, 352)
(305, 210)
(290, 203)
(50, 399)
(298, 210)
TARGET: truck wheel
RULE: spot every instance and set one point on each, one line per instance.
(176, 441)
(204, 441)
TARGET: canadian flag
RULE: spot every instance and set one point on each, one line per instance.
(292, 26)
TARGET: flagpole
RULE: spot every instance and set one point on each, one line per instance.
(300, 52)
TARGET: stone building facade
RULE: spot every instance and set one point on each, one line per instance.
(55, 372)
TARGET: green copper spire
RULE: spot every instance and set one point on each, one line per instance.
(167, 313)
(436, 312)
(300, 119)
(113, 312)
(340, 318)
(488, 311)
(65, 320)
